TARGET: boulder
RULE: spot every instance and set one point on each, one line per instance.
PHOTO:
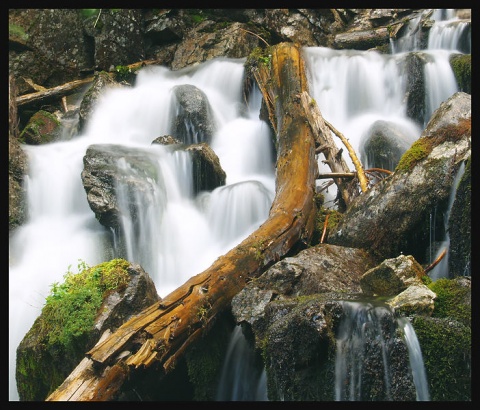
(46, 357)
(392, 276)
(194, 122)
(391, 217)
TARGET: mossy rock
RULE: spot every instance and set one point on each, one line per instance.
(75, 314)
(43, 127)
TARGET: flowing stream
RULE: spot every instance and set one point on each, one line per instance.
(180, 234)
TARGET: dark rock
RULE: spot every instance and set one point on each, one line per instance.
(42, 128)
(207, 171)
(194, 122)
(383, 144)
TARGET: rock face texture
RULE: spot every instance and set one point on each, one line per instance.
(49, 361)
(387, 217)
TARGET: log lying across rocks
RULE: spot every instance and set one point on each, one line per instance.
(49, 95)
(160, 335)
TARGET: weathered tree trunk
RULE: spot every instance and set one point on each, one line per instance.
(158, 336)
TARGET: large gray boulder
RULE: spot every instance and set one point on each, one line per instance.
(390, 217)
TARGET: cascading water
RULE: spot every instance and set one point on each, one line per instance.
(416, 360)
(353, 90)
(366, 342)
(356, 89)
(441, 269)
(241, 380)
(177, 234)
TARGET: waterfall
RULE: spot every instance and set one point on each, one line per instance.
(177, 233)
(441, 270)
(241, 378)
(365, 342)
(416, 360)
(360, 331)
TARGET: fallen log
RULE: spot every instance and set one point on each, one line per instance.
(162, 333)
(52, 94)
(46, 96)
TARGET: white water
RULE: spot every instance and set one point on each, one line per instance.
(441, 270)
(353, 90)
(359, 334)
(416, 360)
(361, 325)
(178, 234)
(241, 380)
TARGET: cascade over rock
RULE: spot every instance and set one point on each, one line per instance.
(297, 302)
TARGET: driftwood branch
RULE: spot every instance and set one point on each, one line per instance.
(347, 175)
(324, 140)
(44, 96)
(362, 179)
(159, 335)
(325, 224)
(436, 261)
(52, 94)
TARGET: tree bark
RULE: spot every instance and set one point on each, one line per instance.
(52, 94)
(160, 335)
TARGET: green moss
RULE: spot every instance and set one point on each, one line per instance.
(86, 13)
(334, 218)
(63, 332)
(446, 351)
(205, 360)
(451, 301)
(257, 57)
(42, 128)
(418, 151)
(70, 309)
(15, 30)
(462, 69)
(422, 147)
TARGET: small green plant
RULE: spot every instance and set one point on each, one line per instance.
(123, 73)
(71, 307)
(86, 13)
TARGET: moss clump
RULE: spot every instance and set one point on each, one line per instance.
(452, 301)
(333, 219)
(462, 69)
(446, 351)
(72, 306)
(418, 151)
(16, 31)
(65, 329)
(43, 127)
(422, 147)
(206, 358)
(256, 58)
(445, 339)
